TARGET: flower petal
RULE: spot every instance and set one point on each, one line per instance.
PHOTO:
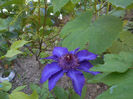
(85, 66)
(85, 55)
(54, 78)
(49, 70)
(74, 51)
(78, 80)
(59, 51)
(51, 57)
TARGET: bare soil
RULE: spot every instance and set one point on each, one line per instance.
(27, 71)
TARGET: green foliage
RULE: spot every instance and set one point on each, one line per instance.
(13, 49)
(58, 4)
(3, 24)
(60, 93)
(6, 86)
(94, 25)
(22, 95)
(119, 91)
(115, 63)
(43, 92)
(9, 2)
(124, 43)
(3, 95)
(18, 44)
(121, 3)
(106, 28)
(75, 1)
(19, 88)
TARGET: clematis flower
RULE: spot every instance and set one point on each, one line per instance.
(71, 63)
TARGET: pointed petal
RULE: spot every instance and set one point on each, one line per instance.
(78, 80)
(54, 78)
(85, 55)
(85, 66)
(74, 51)
(49, 70)
(59, 51)
(51, 57)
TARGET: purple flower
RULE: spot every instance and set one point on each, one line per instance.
(71, 63)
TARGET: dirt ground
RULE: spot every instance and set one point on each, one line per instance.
(27, 71)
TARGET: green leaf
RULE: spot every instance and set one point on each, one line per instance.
(35, 87)
(3, 95)
(18, 44)
(12, 52)
(9, 2)
(121, 3)
(19, 88)
(80, 23)
(75, 1)
(58, 4)
(119, 91)
(60, 93)
(21, 95)
(117, 78)
(4, 23)
(115, 63)
(34, 95)
(45, 94)
(6, 86)
(99, 34)
(124, 43)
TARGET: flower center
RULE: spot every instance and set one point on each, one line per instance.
(68, 61)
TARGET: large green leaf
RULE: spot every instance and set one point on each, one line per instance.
(115, 63)
(121, 3)
(75, 1)
(80, 23)
(124, 43)
(116, 78)
(58, 4)
(119, 91)
(99, 34)
(112, 78)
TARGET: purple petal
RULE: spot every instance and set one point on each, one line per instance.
(85, 66)
(51, 57)
(85, 55)
(49, 70)
(54, 78)
(59, 51)
(74, 51)
(78, 80)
